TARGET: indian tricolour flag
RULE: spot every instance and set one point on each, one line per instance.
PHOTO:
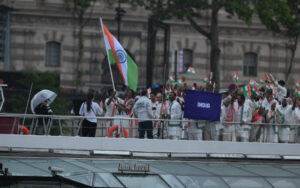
(297, 85)
(247, 91)
(261, 81)
(205, 80)
(180, 81)
(117, 55)
(252, 83)
(235, 77)
(255, 91)
(298, 92)
(191, 70)
(278, 113)
(171, 79)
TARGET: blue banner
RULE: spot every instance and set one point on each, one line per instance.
(202, 105)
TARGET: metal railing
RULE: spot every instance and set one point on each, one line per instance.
(122, 126)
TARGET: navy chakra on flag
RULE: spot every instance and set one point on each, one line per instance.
(121, 54)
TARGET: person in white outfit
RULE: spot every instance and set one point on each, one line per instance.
(282, 92)
(174, 113)
(89, 109)
(111, 105)
(142, 109)
(272, 129)
(243, 115)
(284, 129)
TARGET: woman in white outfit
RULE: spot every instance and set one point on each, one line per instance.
(89, 109)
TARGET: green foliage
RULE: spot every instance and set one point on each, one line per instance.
(274, 14)
(16, 100)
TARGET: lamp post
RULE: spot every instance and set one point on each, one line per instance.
(120, 12)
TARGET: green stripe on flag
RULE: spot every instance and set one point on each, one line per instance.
(111, 57)
(132, 74)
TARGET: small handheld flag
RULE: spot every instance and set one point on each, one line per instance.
(235, 77)
(247, 91)
(278, 113)
(297, 85)
(205, 80)
(272, 77)
(171, 79)
(298, 93)
(180, 81)
(261, 81)
(274, 89)
(255, 91)
(191, 70)
(267, 77)
(252, 83)
(259, 102)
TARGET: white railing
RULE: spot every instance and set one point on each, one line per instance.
(128, 127)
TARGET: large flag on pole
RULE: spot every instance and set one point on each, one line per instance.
(117, 55)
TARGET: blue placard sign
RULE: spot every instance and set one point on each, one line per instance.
(202, 105)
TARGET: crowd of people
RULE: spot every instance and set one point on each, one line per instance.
(270, 115)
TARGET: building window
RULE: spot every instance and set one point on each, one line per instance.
(250, 64)
(53, 54)
(184, 60)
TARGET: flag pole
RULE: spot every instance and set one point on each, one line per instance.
(111, 75)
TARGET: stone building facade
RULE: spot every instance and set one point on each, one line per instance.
(44, 37)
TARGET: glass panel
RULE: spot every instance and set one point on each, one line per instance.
(106, 166)
(292, 168)
(187, 58)
(246, 182)
(83, 165)
(109, 179)
(68, 169)
(176, 168)
(250, 64)
(142, 181)
(284, 182)
(202, 182)
(222, 169)
(266, 170)
(84, 178)
(19, 169)
(52, 54)
(172, 181)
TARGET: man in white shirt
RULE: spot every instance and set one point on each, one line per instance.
(282, 92)
(243, 115)
(284, 129)
(174, 113)
(142, 109)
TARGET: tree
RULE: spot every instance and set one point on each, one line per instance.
(282, 17)
(192, 10)
(80, 14)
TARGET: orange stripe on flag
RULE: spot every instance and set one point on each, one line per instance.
(110, 38)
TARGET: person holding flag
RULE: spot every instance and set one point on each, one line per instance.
(112, 108)
(257, 130)
(282, 92)
(243, 114)
(272, 118)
